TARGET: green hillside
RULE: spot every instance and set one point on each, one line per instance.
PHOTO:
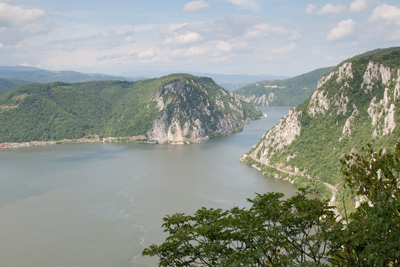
(287, 92)
(7, 84)
(356, 103)
(57, 111)
(32, 74)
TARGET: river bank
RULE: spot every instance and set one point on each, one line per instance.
(84, 140)
(290, 178)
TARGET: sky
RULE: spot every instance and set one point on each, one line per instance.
(134, 37)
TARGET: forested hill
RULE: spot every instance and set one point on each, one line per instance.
(286, 92)
(356, 103)
(31, 74)
(175, 108)
(7, 84)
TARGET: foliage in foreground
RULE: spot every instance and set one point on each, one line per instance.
(297, 231)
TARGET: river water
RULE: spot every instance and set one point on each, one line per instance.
(101, 204)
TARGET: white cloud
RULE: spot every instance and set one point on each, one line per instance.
(128, 39)
(358, 5)
(285, 49)
(331, 9)
(387, 14)
(125, 30)
(170, 29)
(344, 28)
(245, 4)
(195, 5)
(183, 39)
(310, 9)
(18, 16)
(295, 36)
(228, 38)
(149, 53)
(188, 52)
(196, 51)
(18, 24)
(264, 29)
(224, 46)
(1, 45)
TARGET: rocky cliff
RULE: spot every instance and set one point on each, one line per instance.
(191, 110)
(356, 103)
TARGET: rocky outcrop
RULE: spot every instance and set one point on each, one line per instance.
(262, 100)
(375, 71)
(319, 103)
(346, 132)
(280, 136)
(191, 112)
(382, 115)
(356, 103)
(382, 112)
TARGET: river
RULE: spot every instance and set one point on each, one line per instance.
(101, 204)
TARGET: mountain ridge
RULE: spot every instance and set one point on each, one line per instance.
(356, 103)
(178, 108)
(284, 92)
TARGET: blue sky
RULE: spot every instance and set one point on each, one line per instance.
(131, 37)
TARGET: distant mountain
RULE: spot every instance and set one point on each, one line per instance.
(18, 68)
(228, 81)
(178, 108)
(235, 81)
(31, 74)
(356, 103)
(7, 84)
(287, 92)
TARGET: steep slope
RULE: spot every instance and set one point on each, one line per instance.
(287, 92)
(176, 108)
(356, 103)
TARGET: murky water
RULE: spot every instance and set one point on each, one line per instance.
(101, 204)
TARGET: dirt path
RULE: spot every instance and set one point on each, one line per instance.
(332, 201)
(331, 187)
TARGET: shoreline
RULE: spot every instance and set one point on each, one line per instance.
(332, 188)
(84, 140)
(140, 139)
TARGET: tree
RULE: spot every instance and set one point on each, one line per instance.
(297, 231)
(273, 232)
(372, 234)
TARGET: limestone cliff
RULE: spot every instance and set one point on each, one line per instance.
(355, 103)
(194, 109)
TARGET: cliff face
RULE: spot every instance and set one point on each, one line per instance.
(356, 103)
(191, 111)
